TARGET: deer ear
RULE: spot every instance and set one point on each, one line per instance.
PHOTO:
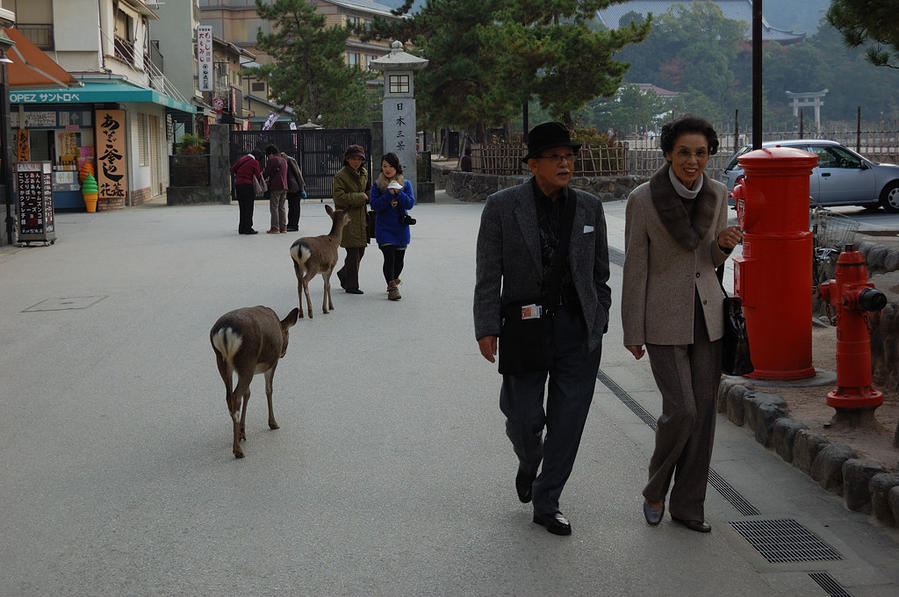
(328, 210)
(291, 318)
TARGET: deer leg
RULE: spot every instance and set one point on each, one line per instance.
(234, 405)
(306, 279)
(269, 376)
(296, 270)
(326, 275)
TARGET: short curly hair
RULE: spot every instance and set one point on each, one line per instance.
(686, 125)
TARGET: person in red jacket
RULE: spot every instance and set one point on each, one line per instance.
(244, 170)
(275, 174)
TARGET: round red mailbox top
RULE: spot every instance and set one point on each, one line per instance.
(777, 158)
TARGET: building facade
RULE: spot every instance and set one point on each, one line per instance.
(119, 115)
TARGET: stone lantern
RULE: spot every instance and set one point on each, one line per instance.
(398, 109)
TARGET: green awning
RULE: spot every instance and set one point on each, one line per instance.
(99, 93)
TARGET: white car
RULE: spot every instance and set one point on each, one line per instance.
(842, 176)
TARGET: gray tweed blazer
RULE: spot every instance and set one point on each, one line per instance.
(509, 267)
(661, 277)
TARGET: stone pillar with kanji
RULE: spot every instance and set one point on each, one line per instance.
(398, 109)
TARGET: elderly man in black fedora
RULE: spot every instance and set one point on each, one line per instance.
(542, 297)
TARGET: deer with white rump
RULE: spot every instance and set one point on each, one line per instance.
(248, 341)
(314, 255)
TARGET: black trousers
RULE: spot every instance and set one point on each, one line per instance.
(245, 199)
(572, 380)
(293, 210)
(393, 261)
(349, 273)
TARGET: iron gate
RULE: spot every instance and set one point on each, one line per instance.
(319, 152)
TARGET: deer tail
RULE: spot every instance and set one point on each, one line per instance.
(300, 253)
(226, 342)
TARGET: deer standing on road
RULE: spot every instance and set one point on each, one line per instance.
(248, 341)
(318, 255)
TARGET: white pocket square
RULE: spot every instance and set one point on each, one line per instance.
(588, 229)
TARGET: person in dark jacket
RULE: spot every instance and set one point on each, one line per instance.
(296, 191)
(244, 170)
(275, 174)
(391, 197)
(351, 195)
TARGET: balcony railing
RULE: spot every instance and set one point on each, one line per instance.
(124, 50)
(40, 34)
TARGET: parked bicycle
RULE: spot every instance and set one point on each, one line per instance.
(831, 232)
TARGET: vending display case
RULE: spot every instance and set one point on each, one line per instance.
(34, 205)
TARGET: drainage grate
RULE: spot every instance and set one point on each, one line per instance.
(829, 584)
(629, 402)
(785, 540)
(726, 490)
(732, 495)
(65, 303)
(616, 256)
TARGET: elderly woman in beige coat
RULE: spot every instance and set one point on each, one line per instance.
(676, 234)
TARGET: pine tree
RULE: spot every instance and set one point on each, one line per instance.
(874, 23)
(309, 73)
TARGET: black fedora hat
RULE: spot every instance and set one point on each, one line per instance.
(546, 136)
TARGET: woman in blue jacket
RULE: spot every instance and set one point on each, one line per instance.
(391, 197)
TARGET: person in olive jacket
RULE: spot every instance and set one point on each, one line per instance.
(350, 194)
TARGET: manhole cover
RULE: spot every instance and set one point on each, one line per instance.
(65, 303)
(785, 540)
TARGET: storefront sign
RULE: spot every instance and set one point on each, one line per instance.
(111, 154)
(23, 149)
(204, 56)
(44, 97)
(35, 191)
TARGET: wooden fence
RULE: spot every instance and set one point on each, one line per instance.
(641, 156)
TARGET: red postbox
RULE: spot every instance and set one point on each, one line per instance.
(852, 297)
(773, 276)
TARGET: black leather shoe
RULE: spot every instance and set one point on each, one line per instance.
(555, 523)
(292, 229)
(653, 515)
(700, 526)
(523, 482)
(353, 291)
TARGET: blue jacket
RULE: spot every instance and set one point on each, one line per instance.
(388, 229)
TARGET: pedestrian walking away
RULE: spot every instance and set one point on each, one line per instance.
(351, 195)
(676, 234)
(296, 192)
(542, 299)
(275, 174)
(244, 170)
(391, 198)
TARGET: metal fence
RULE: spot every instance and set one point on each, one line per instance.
(319, 152)
(505, 159)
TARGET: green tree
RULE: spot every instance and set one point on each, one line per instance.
(309, 73)
(866, 22)
(489, 57)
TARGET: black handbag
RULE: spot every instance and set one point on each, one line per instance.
(370, 223)
(735, 357)
(526, 332)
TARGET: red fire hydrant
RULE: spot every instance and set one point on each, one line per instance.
(853, 297)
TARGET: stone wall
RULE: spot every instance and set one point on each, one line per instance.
(865, 485)
(474, 186)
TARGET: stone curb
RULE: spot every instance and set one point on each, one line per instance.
(864, 485)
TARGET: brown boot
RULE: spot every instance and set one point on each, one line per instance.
(393, 293)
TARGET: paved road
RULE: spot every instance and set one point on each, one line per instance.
(390, 474)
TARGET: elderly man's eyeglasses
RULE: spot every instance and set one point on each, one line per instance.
(558, 157)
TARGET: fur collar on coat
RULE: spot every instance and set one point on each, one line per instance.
(674, 214)
(382, 181)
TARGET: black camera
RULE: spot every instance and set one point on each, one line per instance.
(407, 220)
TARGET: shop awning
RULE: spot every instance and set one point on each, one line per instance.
(114, 91)
(30, 67)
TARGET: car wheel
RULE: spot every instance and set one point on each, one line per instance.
(889, 197)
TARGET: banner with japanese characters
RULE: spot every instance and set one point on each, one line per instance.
(204, 57)
(111, 167)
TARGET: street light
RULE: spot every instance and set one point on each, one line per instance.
(5, 171)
